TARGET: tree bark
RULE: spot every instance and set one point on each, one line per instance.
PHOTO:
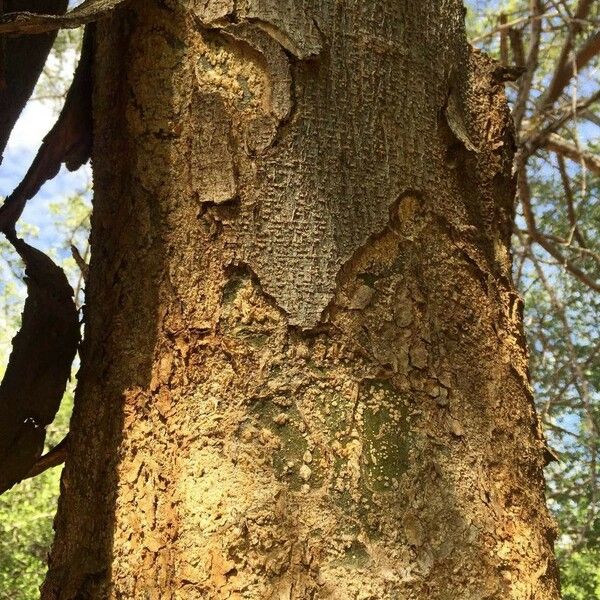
(304, 373)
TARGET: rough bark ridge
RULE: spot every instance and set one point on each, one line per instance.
(304, 374)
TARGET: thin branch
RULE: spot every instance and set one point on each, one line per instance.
(525, 243)
(525, 197)
(579, 380)
(53, 458)
(567, 244)
(557, 144)
(84, 268)
(562, 70)
(591, 116)
(526, 81)
(570, 201)
(510, 25)
(534, 136)
(562, 430)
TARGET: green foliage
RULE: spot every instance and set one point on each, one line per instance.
(26, 516)
(580, 574)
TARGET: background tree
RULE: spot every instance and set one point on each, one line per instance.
(557, 246)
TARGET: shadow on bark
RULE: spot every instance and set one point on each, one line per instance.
(118, 350)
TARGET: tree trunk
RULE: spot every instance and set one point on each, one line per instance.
(304, 373)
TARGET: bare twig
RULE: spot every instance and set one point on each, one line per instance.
(563, 71)
(556, 143)
(509, 25)
(532, 62)
(534, 136)
(53, 458)
(570, 201)
(525, 197)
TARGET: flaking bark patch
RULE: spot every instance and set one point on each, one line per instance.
(303, 213)
(283, 20)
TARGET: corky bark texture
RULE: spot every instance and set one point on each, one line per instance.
(304, 374)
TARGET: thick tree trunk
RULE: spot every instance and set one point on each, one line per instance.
(304, 373)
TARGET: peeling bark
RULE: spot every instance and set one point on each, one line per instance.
(39, 365)
(68, 142)
(27, 23)
(285, 21)
(301, 316)
(21, 62)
